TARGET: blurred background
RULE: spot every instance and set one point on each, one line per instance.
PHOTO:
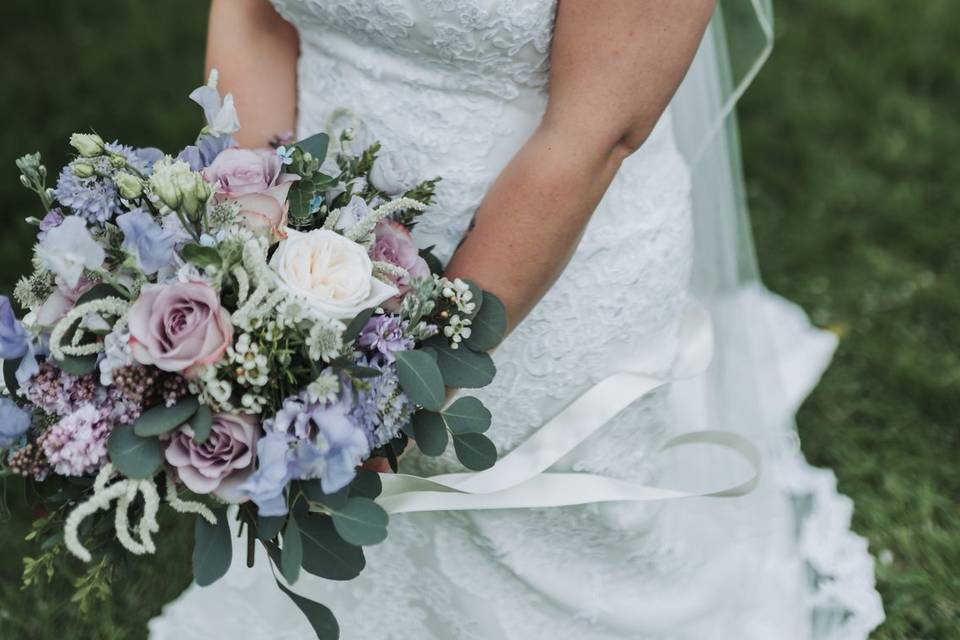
(850, 135)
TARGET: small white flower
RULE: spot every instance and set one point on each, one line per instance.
(325, 388)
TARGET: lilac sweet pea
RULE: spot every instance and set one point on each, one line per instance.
(15, 342)
(199, 156)
(144, 238)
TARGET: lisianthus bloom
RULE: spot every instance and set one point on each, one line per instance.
(179, 327)
(332, 274)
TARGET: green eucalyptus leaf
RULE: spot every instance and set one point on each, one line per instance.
(133, 456)
(316, 145)
(162, 419)
(313, 489)
(269, 527)
(467, 415)
(200, 423)
(421, 379)
(361, 522)
(489, 324)
(212, 549)
(325, 553)
(475, 451)
(320, 617)
(77, 365)
(291, 555)
(430, 432)
(367, 484)
(201, 256)
(462, 368)
(355, 326)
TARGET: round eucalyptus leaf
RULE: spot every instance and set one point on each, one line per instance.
(77, 365)
(420, 379)
(467, 415)
(313, 489)
(291, 555)
(475, 451)
(429, 432)
(163, 419)
(463, 368)
(133, 456)
(200, 423)
(362, 521)
(99, 292)
(367, 484)
(269, 527)
(489, 324)
(325, 553)
(212, 549)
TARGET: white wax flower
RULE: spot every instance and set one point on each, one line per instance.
(69, 248)
(330, 273)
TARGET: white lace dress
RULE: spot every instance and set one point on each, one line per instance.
(454, 88)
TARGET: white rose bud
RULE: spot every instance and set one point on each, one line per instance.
(129, 185)
(88, 145)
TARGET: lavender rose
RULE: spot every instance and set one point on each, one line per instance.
(253, 178)
(179, 327)
(394, 244)
(222, 463)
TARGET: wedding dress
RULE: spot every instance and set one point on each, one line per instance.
(453, 88)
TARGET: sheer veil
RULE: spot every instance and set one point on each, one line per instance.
(767, 356)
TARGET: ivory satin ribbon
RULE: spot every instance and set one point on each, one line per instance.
(521, 478)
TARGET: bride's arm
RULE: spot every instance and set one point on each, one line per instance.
(255, 51)
(615, 65)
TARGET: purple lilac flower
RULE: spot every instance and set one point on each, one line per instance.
(305, 440)
(77, 444)
(14, 422)
(94, 199)
(200, 155)
(381, 409)
(62, 393)
(50, 221)
(385, 335)
(143, 237)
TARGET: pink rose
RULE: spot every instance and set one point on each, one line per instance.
(179, 327)
(394, 244)
(253, 178)
(222, 463)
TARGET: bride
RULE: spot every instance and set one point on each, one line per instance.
(590, 179)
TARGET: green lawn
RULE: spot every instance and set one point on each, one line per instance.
(849, 137)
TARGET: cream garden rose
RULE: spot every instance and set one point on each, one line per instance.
(332, 274)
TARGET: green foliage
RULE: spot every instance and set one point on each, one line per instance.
(361, 522)
(162, 419)
(321, 618)
(212, 549)
(420, 379)
(325, 553)
(132, 455)
(489, 324)
(462, 368)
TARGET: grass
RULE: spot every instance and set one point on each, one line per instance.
(849, 136)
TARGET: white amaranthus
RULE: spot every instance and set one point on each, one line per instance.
(110, 306)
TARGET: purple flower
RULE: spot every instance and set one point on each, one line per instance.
(381, 408)
(14, 422)
(200, 155)
(77, 444)
(222, 463)
(14, 340)
(50, 221)
(94, 199)
(385, 335)
(143, 237)
(306, 440)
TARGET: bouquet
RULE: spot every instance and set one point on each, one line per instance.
(231, 327)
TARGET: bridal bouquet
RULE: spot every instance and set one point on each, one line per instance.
(231, 327)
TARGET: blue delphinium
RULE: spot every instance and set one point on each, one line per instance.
(381, 408)
(14, 422)
(144, 238)
(305, 440)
